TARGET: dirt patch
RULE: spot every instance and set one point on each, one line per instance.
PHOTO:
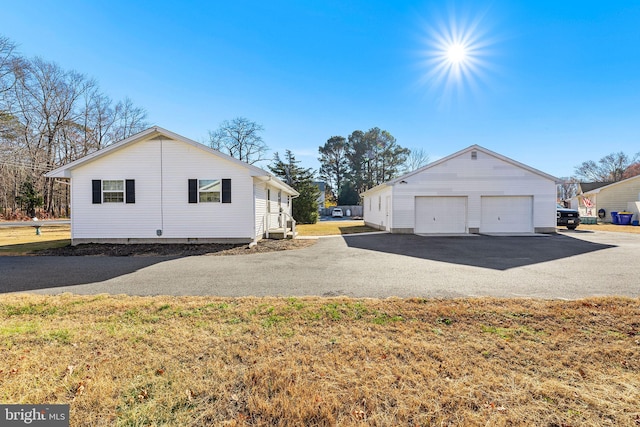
(178, 250)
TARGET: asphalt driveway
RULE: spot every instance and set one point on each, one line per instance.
(568, 265)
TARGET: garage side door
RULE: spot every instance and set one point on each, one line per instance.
(441, 215)
(513, 214)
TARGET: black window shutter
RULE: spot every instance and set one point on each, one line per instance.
(96, 186)
(193, 191)
(130, 188)
(226, 191)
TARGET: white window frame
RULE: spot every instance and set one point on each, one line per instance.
(108, 194)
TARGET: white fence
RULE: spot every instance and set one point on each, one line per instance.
(355, 210)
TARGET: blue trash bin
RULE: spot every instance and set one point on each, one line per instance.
(624, 219)
(614, 218)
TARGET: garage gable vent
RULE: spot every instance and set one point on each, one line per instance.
(474, 155)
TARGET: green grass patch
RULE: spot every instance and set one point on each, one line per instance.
(43, 309)
(384, 318)
(509, 333)
(28, 248)
(19, 328)
(63, 336)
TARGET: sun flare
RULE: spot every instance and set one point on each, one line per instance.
(455, 54)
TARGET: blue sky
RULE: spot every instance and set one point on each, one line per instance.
(549, 83)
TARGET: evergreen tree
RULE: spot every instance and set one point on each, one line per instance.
(333, 161)
(373, 157)
(348, 195)
(29, 199)
(305, 206)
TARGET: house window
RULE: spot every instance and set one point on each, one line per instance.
(379, 203)
(474, 155)
(209, 191)
(113, 191)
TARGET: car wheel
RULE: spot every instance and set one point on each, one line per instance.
(571, 227)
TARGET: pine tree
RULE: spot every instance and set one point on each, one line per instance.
(29, 198)
(305, 206)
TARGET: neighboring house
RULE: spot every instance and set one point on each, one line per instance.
(611, 196)
(160, 187)
(472, 191)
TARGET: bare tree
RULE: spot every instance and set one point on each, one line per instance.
(47, 96)
(567, 189)
(610, 168)
(632, 170)
(97, 120)
(9, 61)
(240, 138)
(128, 120)
(416, 159)
(10, 67)
(50, 116)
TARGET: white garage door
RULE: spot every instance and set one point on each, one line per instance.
(441, 215)
(507, 214)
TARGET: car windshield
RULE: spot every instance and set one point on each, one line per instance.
(559, 206)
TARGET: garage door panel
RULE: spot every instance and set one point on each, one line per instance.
(512, 214)
(441, 215)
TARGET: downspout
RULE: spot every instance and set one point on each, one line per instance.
(161, 231)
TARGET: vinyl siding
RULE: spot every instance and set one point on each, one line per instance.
(204, 220)
(114, 220)
(617, 198)
(374, 209)
(486, 176)
(161, 169)
(260, 193)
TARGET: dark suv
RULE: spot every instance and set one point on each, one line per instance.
(567, 217)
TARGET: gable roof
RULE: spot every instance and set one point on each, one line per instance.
(586, 187)
(154, 132)
(474, 147)
(606, 185)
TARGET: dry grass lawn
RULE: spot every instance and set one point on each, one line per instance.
(196, 361)
(20, 240)
(610, 227)
(328, 228)
(23, 240)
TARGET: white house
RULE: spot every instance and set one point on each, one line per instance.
(472, 191)
(157, 186)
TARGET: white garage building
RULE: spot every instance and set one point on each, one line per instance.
(472, 191)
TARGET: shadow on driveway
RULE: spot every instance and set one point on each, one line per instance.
(27, 273)
(494, 252)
